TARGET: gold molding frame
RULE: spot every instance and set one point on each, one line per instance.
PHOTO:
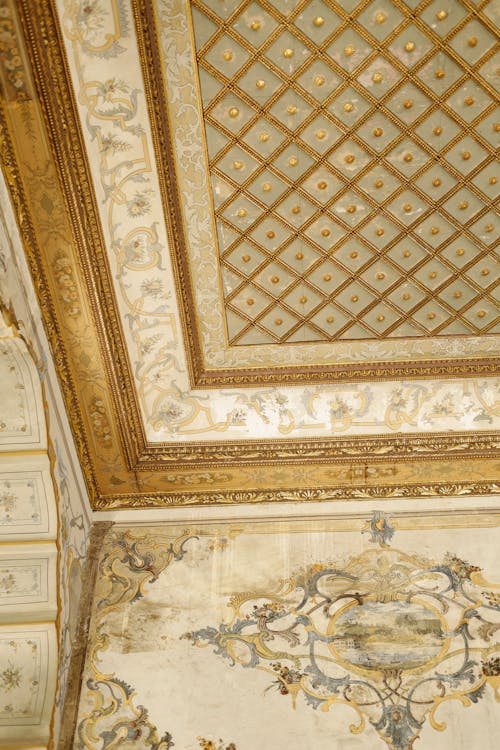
(380, 492)
(410, 447)
(121, 468)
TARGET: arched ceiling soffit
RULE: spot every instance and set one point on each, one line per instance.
(221, 165)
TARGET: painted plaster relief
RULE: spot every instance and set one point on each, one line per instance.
(376, 631)
(29, 492)
(22, 424)
(118, 139)
(27, 681)
(27, 504)
(28, 582)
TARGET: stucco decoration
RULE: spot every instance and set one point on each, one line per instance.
(22, 422)
(28, 582)
(361, 631)
(27, 504)
(42, 495)
(28, 673)
(28, 551)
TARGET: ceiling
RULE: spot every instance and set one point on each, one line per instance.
(351, 154)
(263, 241)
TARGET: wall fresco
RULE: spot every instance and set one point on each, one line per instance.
(363, 633)
(118, 140)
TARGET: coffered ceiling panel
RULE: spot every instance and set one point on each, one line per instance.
(337, 149)
(371, 129)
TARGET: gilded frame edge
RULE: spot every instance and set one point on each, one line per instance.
(407, 447)
(322, 494)
(12, 174)
(47, 57)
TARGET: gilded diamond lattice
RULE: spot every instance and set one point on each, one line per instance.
(352, 148)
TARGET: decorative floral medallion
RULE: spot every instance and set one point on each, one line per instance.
(388, 634)
(391, 635)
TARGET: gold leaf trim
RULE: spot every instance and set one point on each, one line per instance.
(381, 492)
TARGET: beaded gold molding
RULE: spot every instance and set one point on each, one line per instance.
(300, 495)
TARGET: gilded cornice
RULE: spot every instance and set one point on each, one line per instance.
(45, 228)
(380, 492)
(410, 447)
(14, 181)
(56, 98)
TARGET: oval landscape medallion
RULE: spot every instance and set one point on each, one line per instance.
(389, 635)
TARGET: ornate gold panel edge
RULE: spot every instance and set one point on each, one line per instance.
(12, 174)
(202, 377)
(380, 492)
(412, 447)
(50, 71)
